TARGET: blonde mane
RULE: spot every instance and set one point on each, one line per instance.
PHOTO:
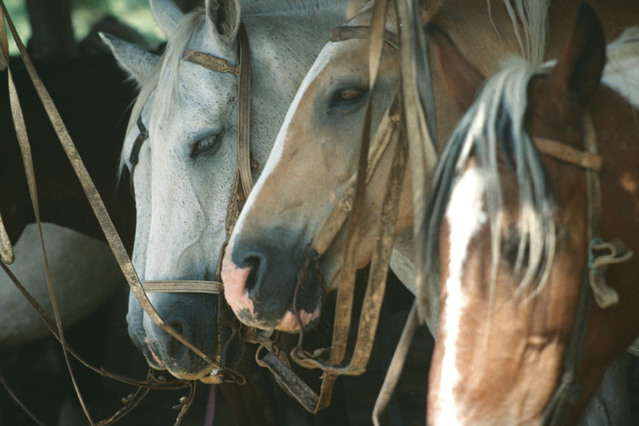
(492, 133)
(532, 17)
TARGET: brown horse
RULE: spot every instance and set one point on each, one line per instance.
(514, 227)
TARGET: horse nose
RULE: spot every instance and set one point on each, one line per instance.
(194, 319)
(260, 277)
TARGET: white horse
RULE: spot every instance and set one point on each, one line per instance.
(185, 173)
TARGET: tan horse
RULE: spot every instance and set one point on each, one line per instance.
(514, 232)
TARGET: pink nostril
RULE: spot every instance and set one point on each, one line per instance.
(290, 323)
(234, 280)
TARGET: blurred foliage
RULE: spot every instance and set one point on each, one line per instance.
(135, 13)
(18, 12)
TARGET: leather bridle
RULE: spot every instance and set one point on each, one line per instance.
(242, 184)
(593, 286)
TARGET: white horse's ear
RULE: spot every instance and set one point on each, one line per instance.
(224, 16)
(167, 15)
(134, 59)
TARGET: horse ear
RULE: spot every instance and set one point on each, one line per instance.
(167, 15)
(353, 7)
(461, 79)
(224, 15)
(134, 59)
(581, 64)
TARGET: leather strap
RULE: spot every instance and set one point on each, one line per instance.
(423, 152)
(6, 250)
(184, 286)
(396, 366)
(568, 154)
(350, 204)
(334, 222)
(243, 165)
(567, 393)
(25, 149)
(244, 113)
(420, 130)
(350, 207)
(344, 303)
(211, 62)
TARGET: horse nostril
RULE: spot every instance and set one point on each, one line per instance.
(255, 263)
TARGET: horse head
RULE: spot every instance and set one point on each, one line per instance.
(313, 158)
(507, 223)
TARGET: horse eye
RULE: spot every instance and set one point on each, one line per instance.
(208, 145)
(347, 97)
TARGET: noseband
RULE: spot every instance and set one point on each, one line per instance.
(242, 184)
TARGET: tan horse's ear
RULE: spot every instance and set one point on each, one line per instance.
(581, 64)
(461, 79)
(354, 6)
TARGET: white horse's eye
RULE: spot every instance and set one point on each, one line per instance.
(209, 146)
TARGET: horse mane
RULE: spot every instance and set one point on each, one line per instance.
(622, 67)
(492, 132)
(532, 17)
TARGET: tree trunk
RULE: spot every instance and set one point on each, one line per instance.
(52, 32)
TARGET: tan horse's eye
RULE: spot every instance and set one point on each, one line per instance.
(349, 94)
(347, 97)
